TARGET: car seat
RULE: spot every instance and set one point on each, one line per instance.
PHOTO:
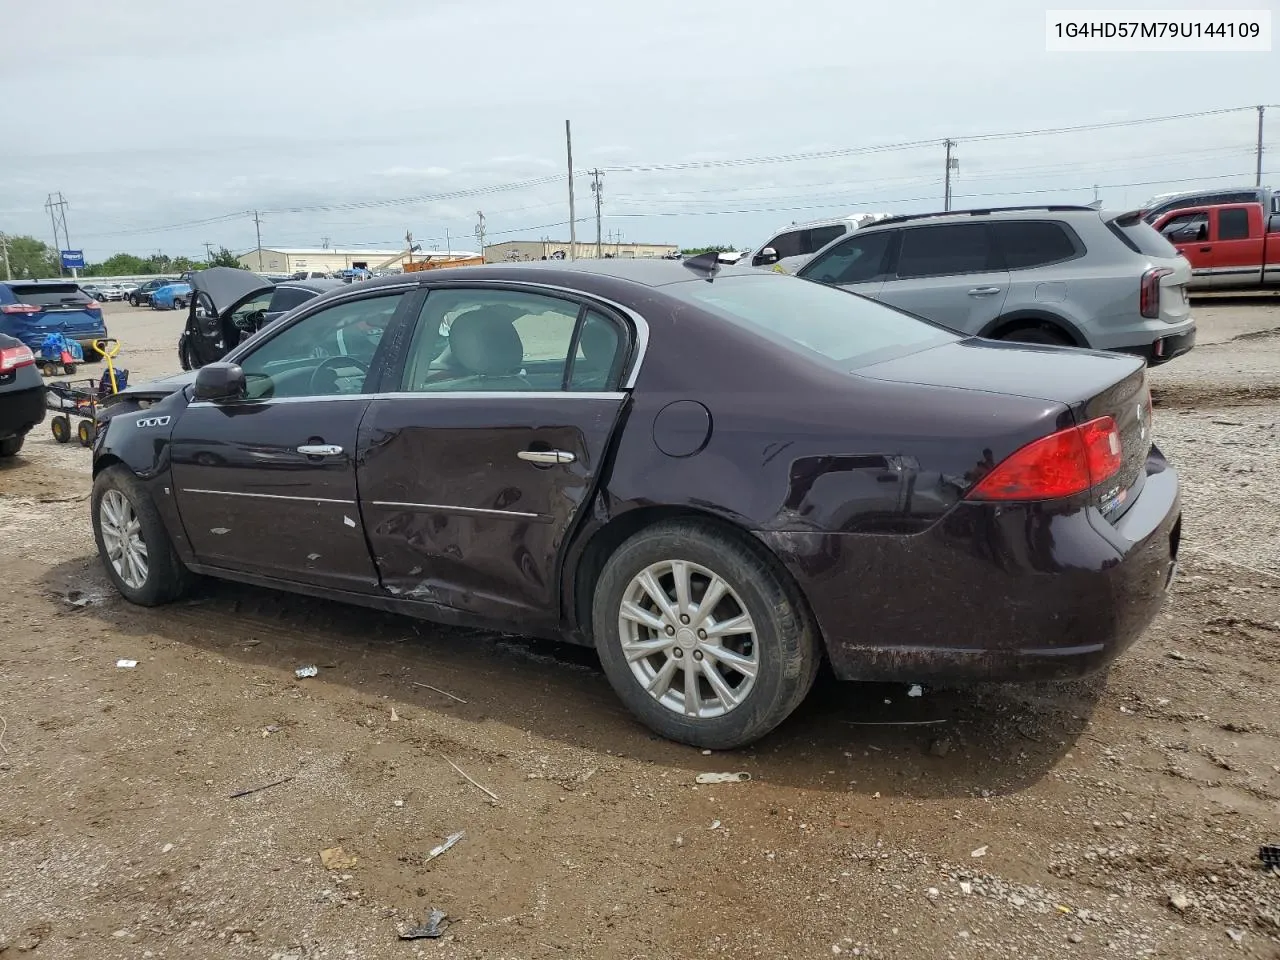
(486, 349)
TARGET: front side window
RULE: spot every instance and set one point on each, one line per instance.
(326, 354)
(505, 340)
(948, 248)
(1187, 227)
(787, 244)
(857, 260)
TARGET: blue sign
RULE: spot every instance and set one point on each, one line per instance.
(72, 259)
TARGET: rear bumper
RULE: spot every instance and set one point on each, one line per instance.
(1165, 348)
(20, 410)
(1018, 592)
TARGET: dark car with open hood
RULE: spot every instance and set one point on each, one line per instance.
(227, 305)
(716, 476)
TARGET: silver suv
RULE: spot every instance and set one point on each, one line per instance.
(1071, 276)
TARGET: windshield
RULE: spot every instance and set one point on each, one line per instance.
(833, 324)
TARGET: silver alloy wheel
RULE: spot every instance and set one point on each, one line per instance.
(122, 538)
(680, 618)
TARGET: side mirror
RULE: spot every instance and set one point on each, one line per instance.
(219, 382)
(765, 257)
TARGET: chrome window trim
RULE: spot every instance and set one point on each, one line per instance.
(424, 395)
(447, 508)
(266, 496)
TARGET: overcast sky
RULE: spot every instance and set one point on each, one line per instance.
(154, 114)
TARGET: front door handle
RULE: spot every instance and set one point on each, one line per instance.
(547, 456)
(1206, 249)
(983, 291)
(320, 449)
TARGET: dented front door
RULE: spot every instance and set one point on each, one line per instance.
(269, 487)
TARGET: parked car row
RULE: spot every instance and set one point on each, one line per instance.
(574, 450)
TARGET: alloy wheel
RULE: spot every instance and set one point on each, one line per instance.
(688, 639)
(122, 539)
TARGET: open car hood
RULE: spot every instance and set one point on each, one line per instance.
(225, 286)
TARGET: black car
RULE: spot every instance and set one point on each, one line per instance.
(228, 304)
(21, 394)
(716, 475)
(142, 296)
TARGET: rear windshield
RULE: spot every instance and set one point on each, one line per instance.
(49, 294)
(1140, 237)
(838, 326)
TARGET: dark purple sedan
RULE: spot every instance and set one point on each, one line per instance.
(716, 476)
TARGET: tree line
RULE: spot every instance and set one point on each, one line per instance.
(32, 259)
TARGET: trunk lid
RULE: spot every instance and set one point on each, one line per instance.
(1090, 384)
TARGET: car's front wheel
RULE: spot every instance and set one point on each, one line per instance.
(132, 540)
(700, 636)
(10, 446)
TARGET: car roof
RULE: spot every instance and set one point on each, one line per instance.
(646, 271)
(317, 285)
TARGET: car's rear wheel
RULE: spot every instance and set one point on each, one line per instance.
(700, 636)
(10, 446)
(132, 541)
(1037, 334)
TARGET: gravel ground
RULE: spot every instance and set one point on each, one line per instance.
(1115, 818)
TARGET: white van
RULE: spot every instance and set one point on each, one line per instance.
(792, 246)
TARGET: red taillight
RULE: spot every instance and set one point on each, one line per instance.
(1149, 297)
(1062, 464)
(93, 305)
(20, 308)
(11, 358)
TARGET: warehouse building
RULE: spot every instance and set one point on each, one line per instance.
(559, 249)
(295, 259)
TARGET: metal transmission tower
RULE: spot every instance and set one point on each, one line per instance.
(479, 231)
(58, 217)
(598, 189)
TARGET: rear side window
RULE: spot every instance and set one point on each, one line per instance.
(49, 294)
(1034, 243)
(1233, 224)
(856, 260)
(1141, 237)
(819, 237)
(947, 249)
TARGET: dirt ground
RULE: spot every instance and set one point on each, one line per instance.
(1116, 818)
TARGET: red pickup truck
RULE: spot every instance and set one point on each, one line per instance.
(1232, 239)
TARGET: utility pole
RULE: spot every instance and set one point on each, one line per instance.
(58, 217)
(257, 225)
(324, 243)
(408, 242)
(573, 232)
(598, 189)
(1258, 177)
(4, 248)
(448, 245)
(479, 231)
(953, 163)
(208, 251)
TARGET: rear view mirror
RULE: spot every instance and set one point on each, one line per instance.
(766, 257)
(219, 382)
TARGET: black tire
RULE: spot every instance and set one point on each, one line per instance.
(61, 427)
(786, 644)
(84, 433)
(10, 446)
(133, 301)
(167, 577)
(68, 368)
(184, 355)
(1045, 335)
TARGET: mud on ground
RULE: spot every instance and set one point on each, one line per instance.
(1116, 818)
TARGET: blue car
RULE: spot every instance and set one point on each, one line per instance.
(174, 296)
(30, 310)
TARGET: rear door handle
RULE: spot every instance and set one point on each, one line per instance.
(547, 456)
(320, 450)
(983, 291)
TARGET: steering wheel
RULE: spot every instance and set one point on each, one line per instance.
(333, 363)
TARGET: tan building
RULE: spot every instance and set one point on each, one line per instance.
(538, 249)
(295, 259)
